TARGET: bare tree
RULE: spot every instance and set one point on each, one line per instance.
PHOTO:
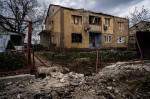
(137, 16)
(21, 9)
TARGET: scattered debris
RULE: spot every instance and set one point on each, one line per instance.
(119, 80)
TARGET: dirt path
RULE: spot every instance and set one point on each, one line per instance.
(48, 63)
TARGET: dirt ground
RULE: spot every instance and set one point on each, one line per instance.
(121, 80)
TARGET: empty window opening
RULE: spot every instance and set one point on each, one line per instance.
(120, 39)
(76, 19)
(76, 38)
(107, 21)
(108, 38)
(121, 25)
(16, 40)
(51, 25)
(94, 20)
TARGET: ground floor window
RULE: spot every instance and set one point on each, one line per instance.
(108, 38)
(76, 38)
(120, 39)
(16, 40)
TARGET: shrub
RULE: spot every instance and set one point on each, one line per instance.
(10, 46)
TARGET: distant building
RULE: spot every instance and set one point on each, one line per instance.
(141, 26)
(17, 39)
(45, 38)
(79, 28)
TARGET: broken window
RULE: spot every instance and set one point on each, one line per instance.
(108, 38)
(121, 25)
(76, 19)
(76, 38)
(94, 20)
(120, 39)
(51, 25)
(16, 40)
(107, 21)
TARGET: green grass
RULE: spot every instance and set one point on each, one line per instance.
(105, 56)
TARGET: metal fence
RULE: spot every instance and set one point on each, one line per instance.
(89, 60)
(13, 62)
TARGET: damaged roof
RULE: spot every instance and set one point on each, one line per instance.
(82, 10)
(45, 31)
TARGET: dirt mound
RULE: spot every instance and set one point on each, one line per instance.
(120, 80)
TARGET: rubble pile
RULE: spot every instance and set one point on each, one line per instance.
(119, 80)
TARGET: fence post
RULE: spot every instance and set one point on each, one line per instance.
(29, 48)
(97, 61)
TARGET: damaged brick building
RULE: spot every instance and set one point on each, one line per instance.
(79, 28)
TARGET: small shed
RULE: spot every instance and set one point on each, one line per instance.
(45, 38)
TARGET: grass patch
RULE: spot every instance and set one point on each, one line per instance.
(85, 60)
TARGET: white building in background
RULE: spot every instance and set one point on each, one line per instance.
(17, 39)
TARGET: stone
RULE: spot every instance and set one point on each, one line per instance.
(80, 75)
(31, 81)
(19, 96)
(109, 87)
(114, 80)
(65, 71)
(21, 86)
(9, 83)
(59, 75)
(62, 80)
(58, 85)
(53, 93)
(116, 91)
(74, 84)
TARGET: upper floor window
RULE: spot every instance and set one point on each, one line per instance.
(94, 20)
(76, 19)
(51, 25)
(107, 21)
(121, 25)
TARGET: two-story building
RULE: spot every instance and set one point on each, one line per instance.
(79, 28)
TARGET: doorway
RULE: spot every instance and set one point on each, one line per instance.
(95, 39)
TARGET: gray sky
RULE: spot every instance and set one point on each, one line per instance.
(114, 7)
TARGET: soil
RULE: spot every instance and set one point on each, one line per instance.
(120, 80)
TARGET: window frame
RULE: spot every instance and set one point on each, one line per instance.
(121, 26)
(75, 19)
(108, 22)
(120, 39)
(97, 20)
(108, 38)
(76, 38)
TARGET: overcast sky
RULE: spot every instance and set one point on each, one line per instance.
(114, 7)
